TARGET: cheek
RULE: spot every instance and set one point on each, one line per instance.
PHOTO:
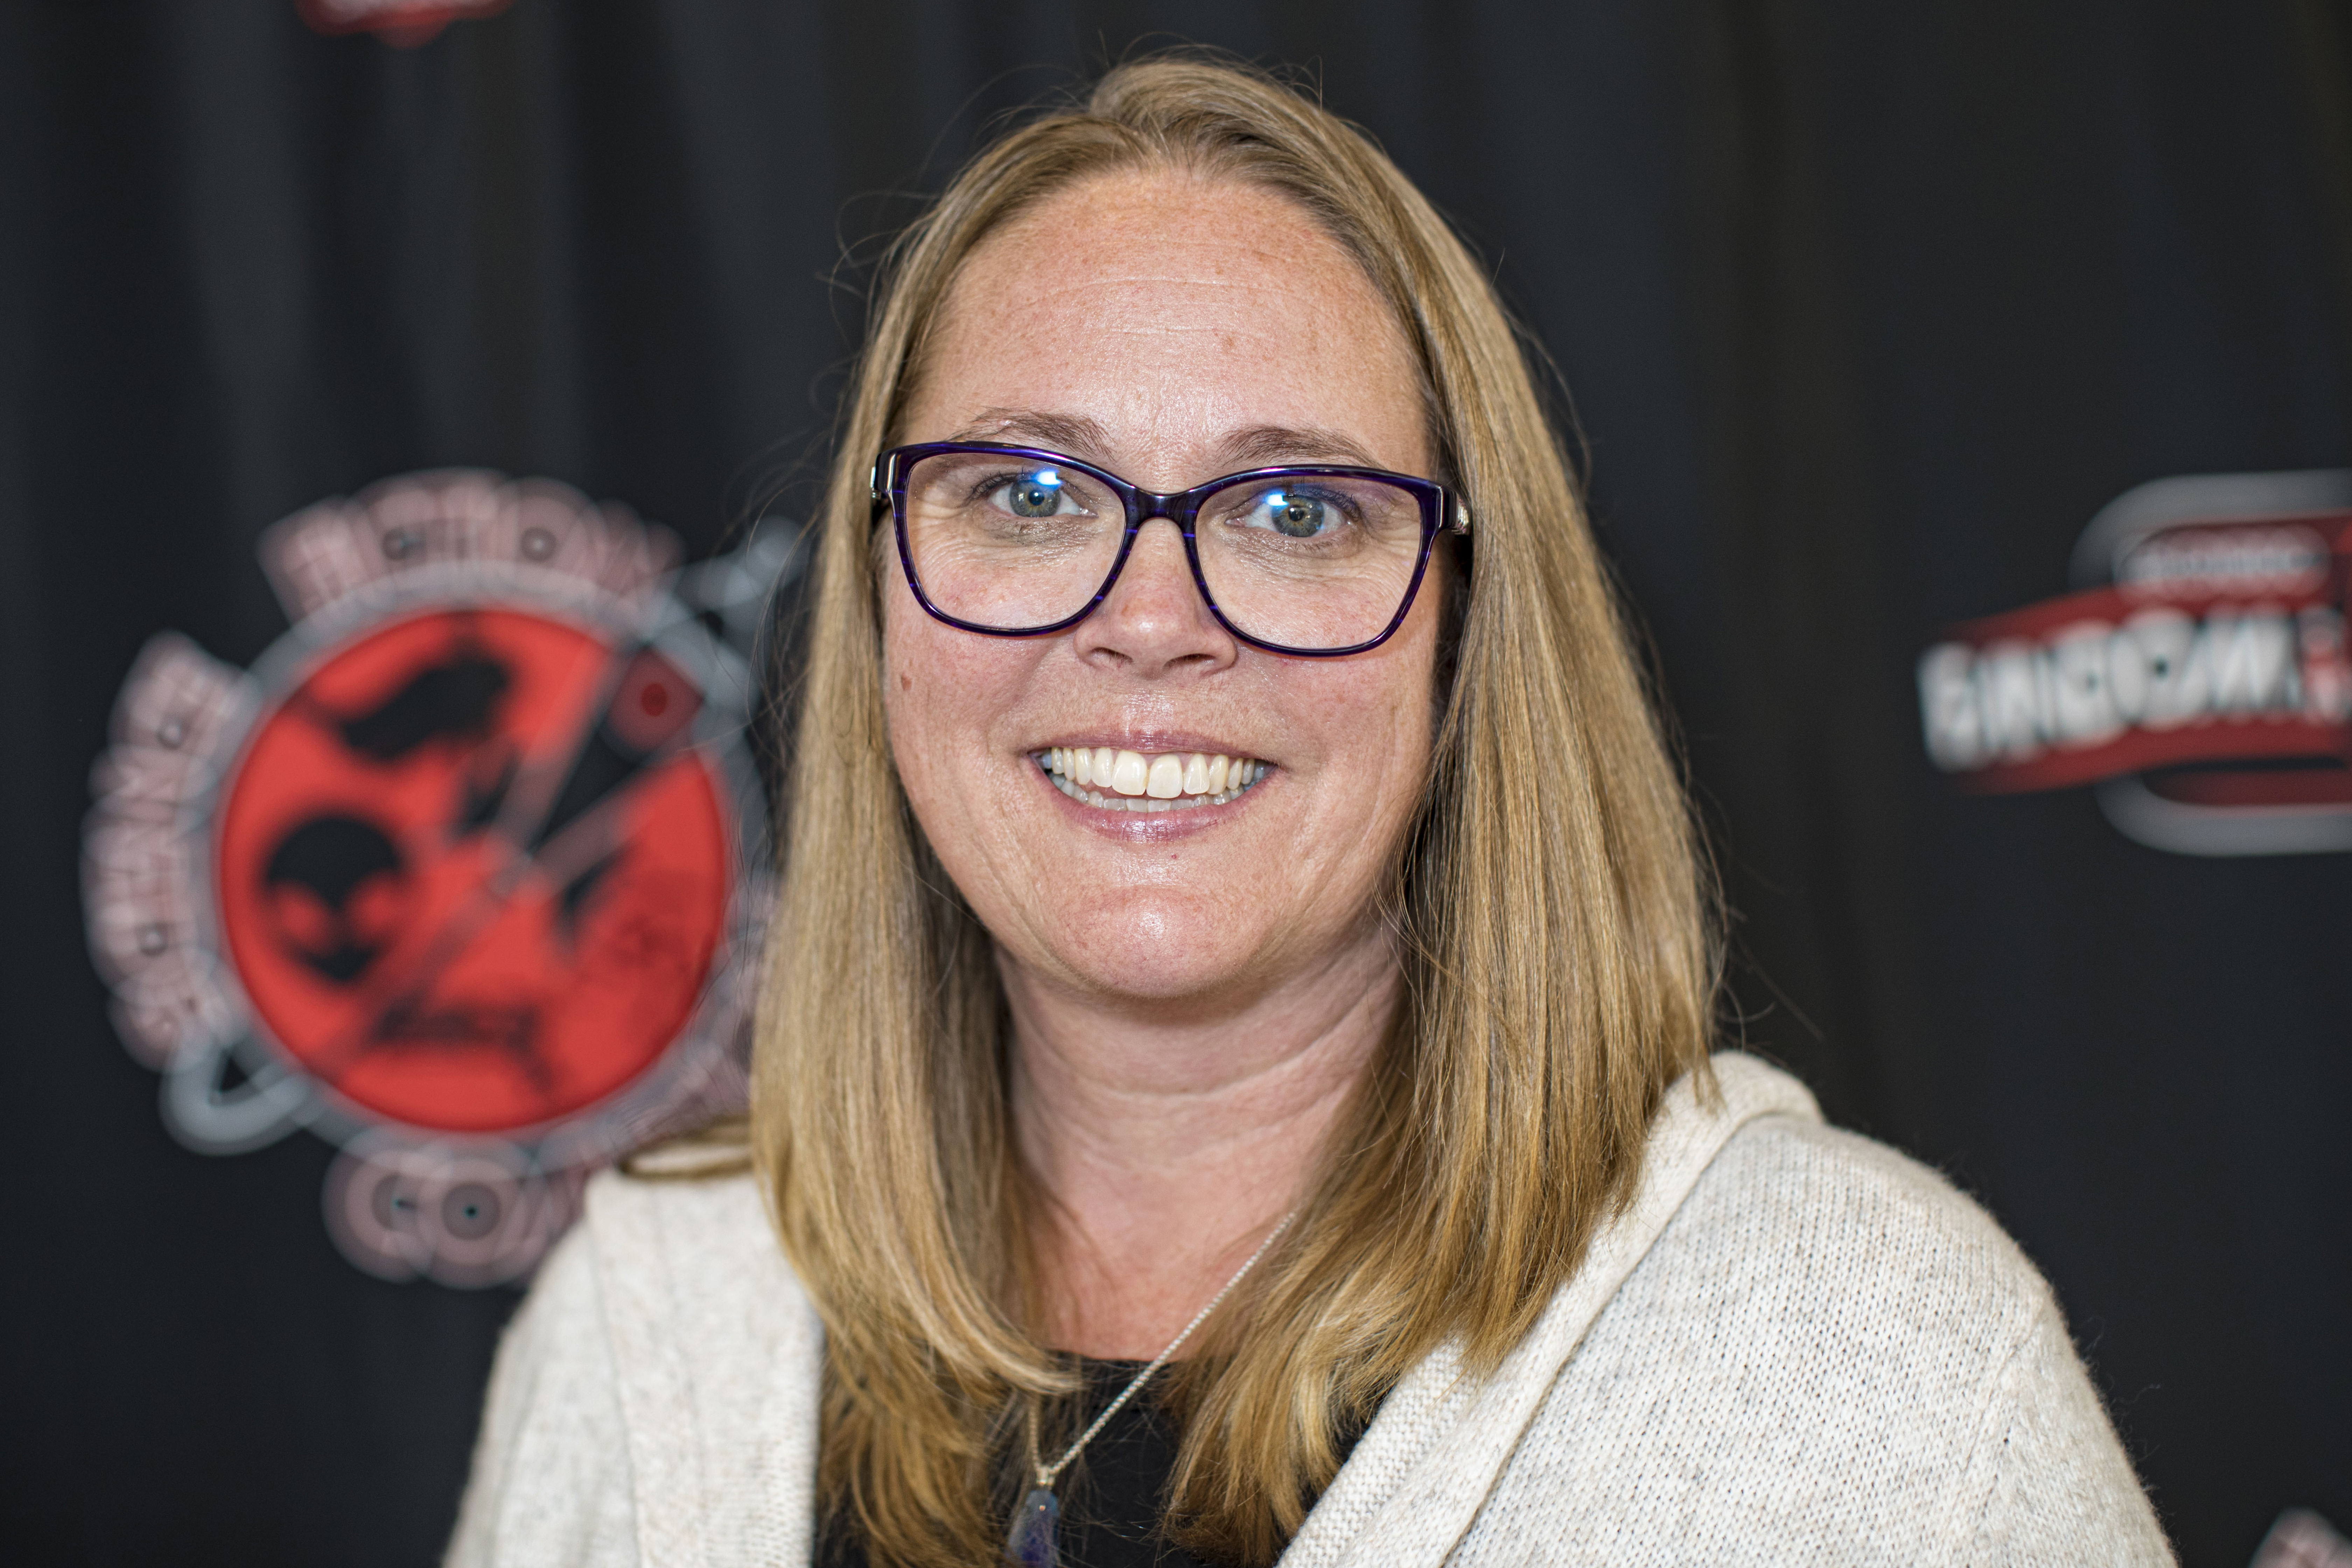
(915, 706)
(1406, 698)
(910, 708)
(943, 692)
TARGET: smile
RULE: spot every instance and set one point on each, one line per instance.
(1136, 781)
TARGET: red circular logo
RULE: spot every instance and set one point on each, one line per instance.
(472, 875)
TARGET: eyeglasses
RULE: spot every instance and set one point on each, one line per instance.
(1019, 542)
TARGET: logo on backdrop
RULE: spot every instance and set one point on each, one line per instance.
(460, 874)
(2196, 677)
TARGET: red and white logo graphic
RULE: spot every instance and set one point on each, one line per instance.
(459, 874)
(2197, 678)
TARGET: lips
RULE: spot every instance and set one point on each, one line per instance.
(1113, 780)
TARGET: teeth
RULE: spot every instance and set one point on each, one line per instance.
(1171, 781)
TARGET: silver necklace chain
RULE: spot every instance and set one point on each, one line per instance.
(1046, 1473)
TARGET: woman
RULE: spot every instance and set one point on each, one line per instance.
(1242, 965)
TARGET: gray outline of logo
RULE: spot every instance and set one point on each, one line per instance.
(2135, 811)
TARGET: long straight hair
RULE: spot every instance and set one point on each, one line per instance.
(1551, 913)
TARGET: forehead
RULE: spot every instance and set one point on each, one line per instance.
(1172, 311)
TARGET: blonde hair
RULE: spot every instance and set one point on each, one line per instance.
(1551, 912)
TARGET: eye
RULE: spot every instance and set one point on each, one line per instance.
(1036, 494)
(1294, 514)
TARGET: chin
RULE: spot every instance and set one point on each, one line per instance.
(1162, 986)
(1157, 954)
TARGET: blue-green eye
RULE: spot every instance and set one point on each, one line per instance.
(1034, 495)
(1294, 516)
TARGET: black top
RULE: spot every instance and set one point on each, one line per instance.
(1112, 1494)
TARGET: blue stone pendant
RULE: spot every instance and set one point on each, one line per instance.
(1030, 1542)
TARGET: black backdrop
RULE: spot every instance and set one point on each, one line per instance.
(1866, 310)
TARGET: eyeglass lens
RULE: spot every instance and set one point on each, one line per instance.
(1303, 561)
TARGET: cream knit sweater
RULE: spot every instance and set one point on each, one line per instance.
(1796, 1346)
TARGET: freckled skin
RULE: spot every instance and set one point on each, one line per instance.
(1261, 320)
(1210, 997)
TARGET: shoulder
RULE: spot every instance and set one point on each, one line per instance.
(657, 1389)
(549, 1479)
(712, 1230)
(1827, 1217)
(655, 1258)
(702, 1316)
(1828, 1352)
(1840, 1283)
(691, 1280)
(1747, 1195)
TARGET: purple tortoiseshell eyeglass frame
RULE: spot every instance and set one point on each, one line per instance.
(1438, 513)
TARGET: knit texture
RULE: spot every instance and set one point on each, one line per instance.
(1794, 1346)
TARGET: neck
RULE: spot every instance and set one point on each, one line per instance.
(1168, 1141)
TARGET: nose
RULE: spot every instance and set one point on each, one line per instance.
(1155, 622)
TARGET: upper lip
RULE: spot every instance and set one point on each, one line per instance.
(1153, 743)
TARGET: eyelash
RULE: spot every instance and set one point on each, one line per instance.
(1335, 500)
(988, 485)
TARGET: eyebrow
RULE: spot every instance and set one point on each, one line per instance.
(1082, 437)
(1264, 445)
(1075, 434)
